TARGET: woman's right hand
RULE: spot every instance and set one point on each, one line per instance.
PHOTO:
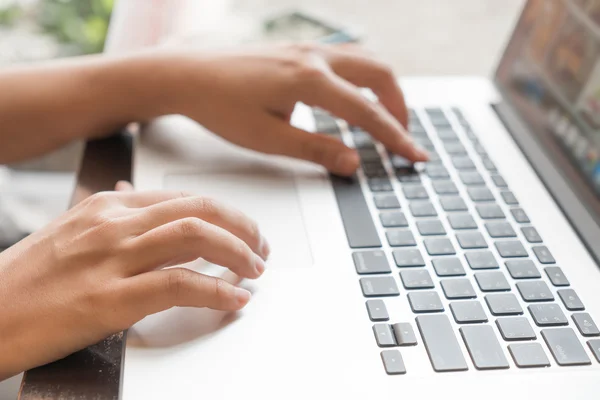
(99, 269)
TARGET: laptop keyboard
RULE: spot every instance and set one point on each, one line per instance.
(449, 237)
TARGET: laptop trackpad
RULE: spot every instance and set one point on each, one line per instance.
(268, 196)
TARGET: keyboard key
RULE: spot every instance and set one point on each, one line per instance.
(454, 148)
(371, 262)
(399, 162)
(519, 215)
(499, 181)
(408, 258)
(381, 184)
(393, 219)
(465, 312)
(407, 175)
(528, 355)
(462, 162)
(522, 269)
(379, 286)
(369, 154)
(413, 192)
(459, 288)
(439, 246)
(363, 142)
(424, 142)
(509, 198)
(385, 201)
(461, 221)
(510, 249)
(441, 344)
(489, 211)
(571, 300)
(585, 324)
(492, 281)
(377, 310)
(453, 203)
(416, 279)
(500, 229)
(421, 302)
(325, 123)
(356, 217)
(531, 234)
(565, 347)
(444, 187)
(471, 240)
(436, 171)
(556, 276)
(392, 362)
(515, 328)
(422, 209)
(471, 178)
(374, 169)
(547, 315)
(400, 238)
(481, 260)
(483, 347)
(480, 150)
(535, 291)
(488, 164)
(384, 335)
(404, 334)
(595, 347)
(447, 135)
(543, 255)
(430, 227)
(503, 304)
(448, 266)
(479, 194)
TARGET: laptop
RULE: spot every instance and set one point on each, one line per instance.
(472, 276)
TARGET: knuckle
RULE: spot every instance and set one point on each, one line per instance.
(101, 200)
(208, 206)
(190, 228)
(218, 289)
(175, 284)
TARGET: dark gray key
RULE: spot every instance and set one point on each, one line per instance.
(528, 355)
(454, 148)
(531, 234)
(377, 310)
(448, 266)
(422, 209)
(488, 164)
(483, 347)
(393, 219)
(421, 302)
(407, 175)
(479, 194)
(356, 217)
(441, 344)
(595, 347)
(481, 260)
(585, 324)
(515, 328)
(436, 171)
(430, 227)
(510, 249)
(444, 187)
(416, 279)
(548, 315)
(363, 142)
(509, 198)
(439, 246)
(489, 211)
(408, 258)
(462, 162)
(399, 162)
(461, 221)
(565, 347)
(379, 286)
(415, 192)
(374, 170)
(466, 312)
(384, 335)
(459, 288)
(371, 262)
(503, 304)
(519, 215)
(492, 281)
(380, 184)
(471, 178)
(404, 333)
(326, 124)
(535, 291)
(369, 154)
(400, 237)
(556, 276)
(385, 201)
(471, 240)
(522, 269)
(392, 362)
(500, 229)
(571, 300)
(499, 181)
(453, 203)
(543, 255)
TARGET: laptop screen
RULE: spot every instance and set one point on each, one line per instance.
(550, 72)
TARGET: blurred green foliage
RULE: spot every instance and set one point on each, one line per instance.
(9, 15)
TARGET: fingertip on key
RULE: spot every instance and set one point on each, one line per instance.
(242, 296)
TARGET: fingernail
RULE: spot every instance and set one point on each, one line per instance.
(265, 249)
(242, 296)
(259, 264)
(346, 162)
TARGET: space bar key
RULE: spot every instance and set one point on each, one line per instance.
(441, 344)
